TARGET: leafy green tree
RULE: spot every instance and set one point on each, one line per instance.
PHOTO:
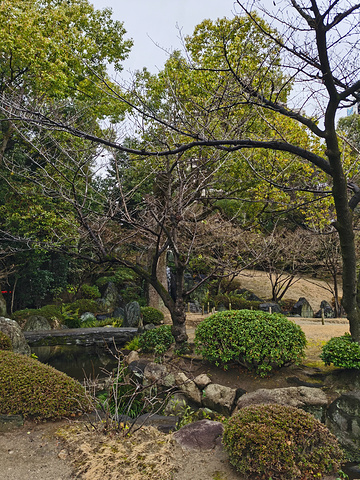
(308, 51)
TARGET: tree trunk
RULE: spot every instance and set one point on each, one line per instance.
(155, 299)
(344, 226)
(178, 313)
(178, 317)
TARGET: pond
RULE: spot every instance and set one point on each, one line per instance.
(78, 361)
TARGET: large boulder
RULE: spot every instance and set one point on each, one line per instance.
(312, 400)
(201, 435)
(111, 299)
(132, 315)
(158, 374)
(326, 308)
(343, 419)
(13, 331)
(188, 387)
(270, 307)
(219, 398)
(35, 323)
(302, 308)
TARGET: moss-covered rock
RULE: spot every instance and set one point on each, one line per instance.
(5, 342)
(35, 390)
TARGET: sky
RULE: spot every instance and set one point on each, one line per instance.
(155, 25)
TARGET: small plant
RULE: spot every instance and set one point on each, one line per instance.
(133, 344)
(258, 340)
(282, 442)
(71, 317)
(5, 342)
(152, 315)
(123, 396)
(117, 322)
(157, 340)
(343, 352)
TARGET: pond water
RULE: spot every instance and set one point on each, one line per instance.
(78, 361)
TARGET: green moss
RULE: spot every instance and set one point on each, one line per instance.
(35, 390)
(282, 442)
(52, 313)
(5, 342)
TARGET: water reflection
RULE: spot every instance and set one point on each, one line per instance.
(77, 361)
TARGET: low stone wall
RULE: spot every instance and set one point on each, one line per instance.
(81, 336)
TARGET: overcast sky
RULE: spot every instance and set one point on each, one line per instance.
(154, 25)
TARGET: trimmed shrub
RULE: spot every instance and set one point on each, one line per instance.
(90, 291)
(343, 352)
(282, 442)
(52, 313)
(259, 341)
(238, 302)
(5, 342)
(82, 305)
(35, 390)
(152, 315)
(157, 340)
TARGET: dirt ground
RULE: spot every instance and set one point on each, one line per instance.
(35, 452)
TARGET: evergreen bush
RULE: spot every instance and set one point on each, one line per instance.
(35, 390)
(157, 340)
(5, 342)
(258, 340)
(342, 352)
(90, 291)
(152, 315)
(280, 442)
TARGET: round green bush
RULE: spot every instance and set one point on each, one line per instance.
(280, 442)
(343, 352)
(152, 315)
(5, 342)
(258, 340)
(35, 390)
(157, 340)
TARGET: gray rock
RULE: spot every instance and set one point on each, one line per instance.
(132, 315)
(133, 356)
(201, 435)
(138, 366)
(161, 422)
(312, 400)
(35, 323)
(13, 330)
(111, 299)
(328, 311)
(188, 387)
(158, 374)
(202, 380)
(118, 312)
(265, 307)
(219, 398)
(176, 405)
(87, 317)
(303, 308)
(343, 420)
